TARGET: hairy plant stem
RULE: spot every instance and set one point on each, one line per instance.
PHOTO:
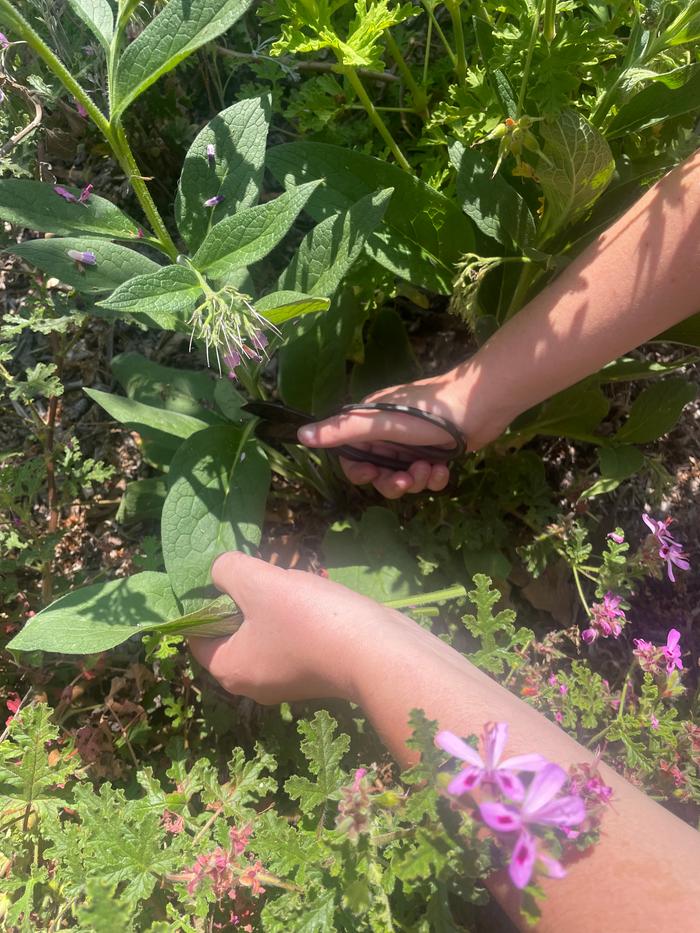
(112, 132)
(528, 59)
(373, 114)
(579, 588)
(420, 98)
(320, 67)
(458, 29)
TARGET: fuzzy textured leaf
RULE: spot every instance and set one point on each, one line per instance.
(98, 17)
(238, 135)
(181, 27)
(35, 205)
(656, 411)
(114, 264)
(279, 307)
(164, 298)
(139, 416)
(324, 751)
(327, 252)
(424, 234)
(216, 503)
(577, 168)
(657, 103)
(249, 235)
(96, 618)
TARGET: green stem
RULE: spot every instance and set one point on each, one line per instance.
(577, 580)
(458, 29)
(426, 599)
(549, 29)
(618, 718)
(528, 59)
(426, 59)
(112, 132)
(529, 273)
(443, 38)
(374, 116)
(420, 98)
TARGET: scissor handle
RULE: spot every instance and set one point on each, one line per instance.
(430, 452)
(280, 423)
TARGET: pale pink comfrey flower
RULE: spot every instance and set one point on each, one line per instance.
(540, 807)
(489, 769)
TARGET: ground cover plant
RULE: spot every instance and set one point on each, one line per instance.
(169, 253)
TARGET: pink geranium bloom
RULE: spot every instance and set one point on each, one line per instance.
(540, 807)
(670, 550)
(489, 769)
(672, 651)
(606, 619)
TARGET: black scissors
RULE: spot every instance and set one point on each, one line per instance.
(280, 423)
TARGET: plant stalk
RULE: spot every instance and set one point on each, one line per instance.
(443, 38)
(528, 59)
(420, 98)
(458, 29)
(374, 116)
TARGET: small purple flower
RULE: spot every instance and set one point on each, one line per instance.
(653, 722)
(212, 202)
(87, 257)
(65, 194)
(211, 154)
(85, 194)
(670, 550)
(259, 340)
(492, 770)
(232, 360)
(81, 110)
(606, 619)
(672, 651)
(647, 655)
(4, 41)
(540, 807)
(614, 536)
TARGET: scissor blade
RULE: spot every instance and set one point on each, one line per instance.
(278, 422)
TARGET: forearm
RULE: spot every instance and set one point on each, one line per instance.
(642, 867)
(633, 282)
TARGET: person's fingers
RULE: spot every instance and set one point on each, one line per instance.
(420, 471)
(205, 650)
(439, 477)
(371, 426)
(246, 579)
(359, 473)
(391, 484)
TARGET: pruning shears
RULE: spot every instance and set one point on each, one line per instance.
(279, 423)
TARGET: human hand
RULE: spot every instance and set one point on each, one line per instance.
(447, 396)
(303, 636)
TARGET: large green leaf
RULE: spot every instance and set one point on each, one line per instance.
(279, 307)
(216, 502)
(576, 168)
(184, 391)
(249, 235)
(424, 234)
(164, 298)
(96, 618)
(35, 205)
(379, 369)
(575, 412)
(182, 27)
(370, 557)
(150, 418)
(312, 367)
(98, 17)
(495, 206)
(327, 252)
(142, 500)
(616, 465)
(114, 264)
(239, 136)
(655, 411)
(687, 332)
(658, 102)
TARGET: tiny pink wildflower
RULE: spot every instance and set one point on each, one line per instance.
(606, 619)
(85, 194)
(4, 41)
(617, 538)
(672, 651)
(81, 110)
(240, 838)
(670, 550)
(653, 722)
(173, 822)
(65, 194)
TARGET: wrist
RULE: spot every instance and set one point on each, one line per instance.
(476, 402)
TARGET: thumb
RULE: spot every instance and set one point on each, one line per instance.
(368, 426)
(249, 581)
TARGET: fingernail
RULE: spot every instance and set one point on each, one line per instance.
(307, 435)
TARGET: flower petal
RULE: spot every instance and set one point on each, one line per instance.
(509, 784)
(465, 781)
(553, 868)
(458, 748)
(564, 811)
(522, 860)
(495, 738)
(531, 762)
(545, 785)
(499, 817)
(649, 522)
(674, 636)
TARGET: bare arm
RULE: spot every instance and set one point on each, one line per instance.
(306, 637)
(633, 282)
